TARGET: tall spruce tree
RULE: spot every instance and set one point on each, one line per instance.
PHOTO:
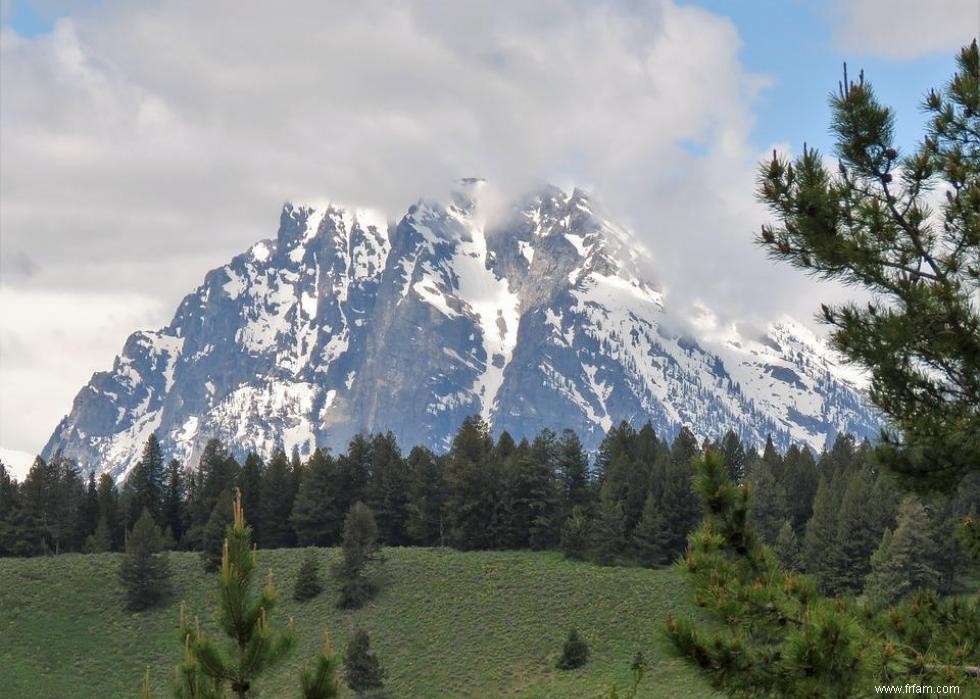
(901, 563)
(427, 494)
(144, 486)
(250, 483)
(276, 506)
(359, 549)
(388, 490)
(315, 517)
(145, 571)
(472, 486)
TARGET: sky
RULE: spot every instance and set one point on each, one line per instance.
(144, 143)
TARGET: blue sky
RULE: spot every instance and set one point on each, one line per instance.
(145, 143)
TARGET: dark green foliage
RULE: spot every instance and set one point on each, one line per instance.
(769, 504)
(471, 486)
(387, 492)
(174, 501)
(315, 517)
(787, 548)
(145, 571)
(320, 681)
(902, 561)
(250, 483)
(253, 646)
(576, 534)
(869, 225)
(277, 496)
(781, 638)
(650, 536)
(607, 535)
(573, 470)
(308, 584)
(144, 487)
(217, 473)
(733, 454)
(426, 498)
(575, 652)
(213, 534)
(359, 549)
(362, 667)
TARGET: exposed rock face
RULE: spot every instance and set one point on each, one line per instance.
(348, 322)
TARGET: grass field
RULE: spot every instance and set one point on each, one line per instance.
(446, 624)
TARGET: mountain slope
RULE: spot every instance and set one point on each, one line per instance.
(542, 317)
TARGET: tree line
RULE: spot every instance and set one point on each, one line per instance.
(634, 502)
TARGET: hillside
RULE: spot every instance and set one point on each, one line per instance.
(447, 624)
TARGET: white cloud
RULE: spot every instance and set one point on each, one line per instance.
(904, 29)
(146, 143)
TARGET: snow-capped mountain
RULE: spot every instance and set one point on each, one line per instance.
(348, 321)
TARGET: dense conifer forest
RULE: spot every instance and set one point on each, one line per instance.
(834, 515)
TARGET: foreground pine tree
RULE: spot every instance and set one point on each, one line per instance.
(145, 571)
(782, 638)
(209, 668)
(873, 224)
(321, 682)
(362, 668)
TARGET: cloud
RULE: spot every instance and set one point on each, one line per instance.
(144, 144)
(905, 29)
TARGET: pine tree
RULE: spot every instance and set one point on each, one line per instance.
(174, 497)
(650, 535)
(362, 668)
(780, 638)
(821, 532)
(787, 548)
(769, 499)
(213, 534)
(253, 646)
(308, 584)
(901, 562)
(607, 535)
(870, 225)
(857, 535)
(575, 652)
(576, 534)
(388, 490)
(145, 571)
(100, 540)
(88, 512)
(359, 549)
(427, 496)
(144, 487)
(250, 482)
(573, 467)
(321, 681)
(277, 503)
(733, 453)
(799, 484)
(472, 485)
(315, 517)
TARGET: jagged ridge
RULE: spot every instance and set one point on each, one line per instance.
(542, 317)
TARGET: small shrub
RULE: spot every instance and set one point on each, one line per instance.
(575, 653)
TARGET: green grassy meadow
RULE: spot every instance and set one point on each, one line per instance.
(446, 624)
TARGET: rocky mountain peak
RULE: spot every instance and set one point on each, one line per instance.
(541, 317)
